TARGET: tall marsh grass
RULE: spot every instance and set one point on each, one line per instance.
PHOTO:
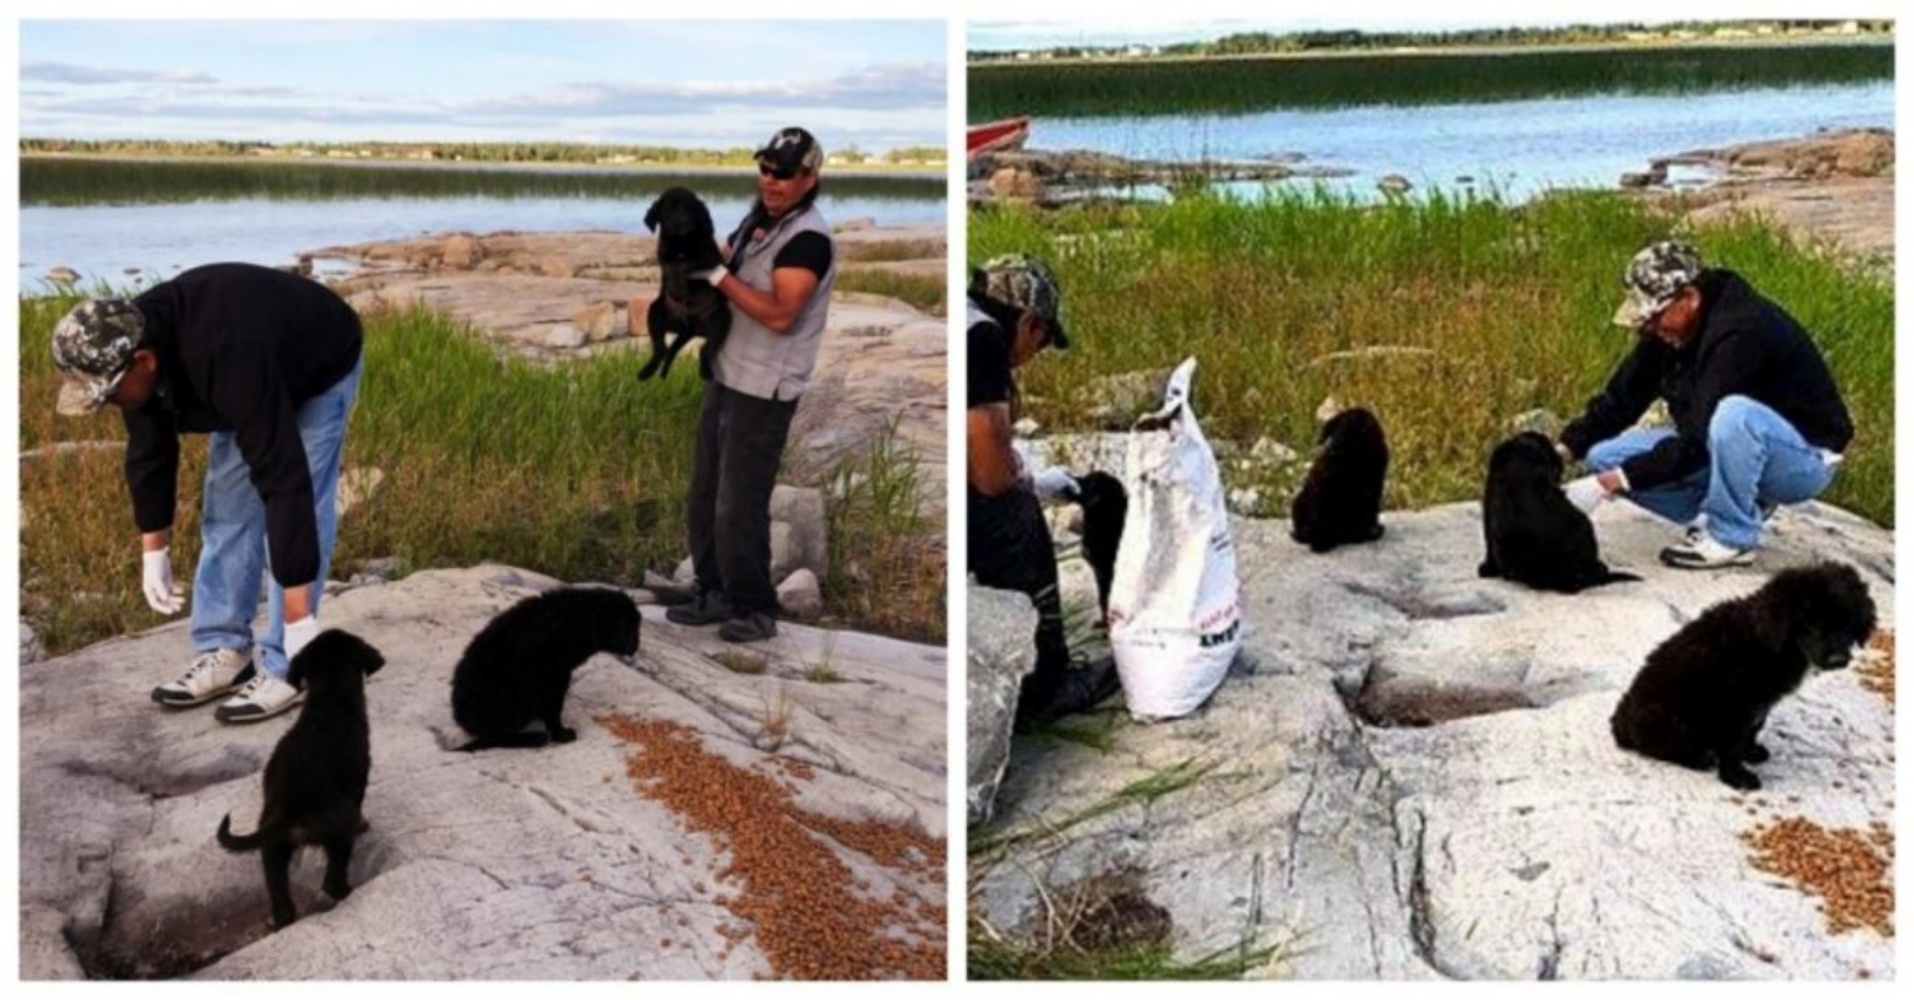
(65, 182)
(575, 470)
(1508, 305)
(1243, 85)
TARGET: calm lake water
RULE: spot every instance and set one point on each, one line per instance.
(102, 242)
(1522, 147)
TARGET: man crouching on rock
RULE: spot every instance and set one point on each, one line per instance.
(266, 363)
(1758, 421)
(1012, 315)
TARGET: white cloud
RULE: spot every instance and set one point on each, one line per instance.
(54, 72)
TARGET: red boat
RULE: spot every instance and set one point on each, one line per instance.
(992, 137)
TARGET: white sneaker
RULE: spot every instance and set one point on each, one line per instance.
(212, 674)
(262, 698)
(1705, 553)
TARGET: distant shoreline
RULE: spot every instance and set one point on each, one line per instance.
(654, 167)
(1042, 57)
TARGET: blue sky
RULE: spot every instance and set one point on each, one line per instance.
(875, 84)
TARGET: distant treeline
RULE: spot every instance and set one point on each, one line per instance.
(46, 180)
(1271, 43)
(461, 152)
(1244, 86)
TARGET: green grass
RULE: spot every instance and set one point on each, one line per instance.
(1513, 301)
(1238, 86)
(575, 470)
(66, 182)
(988, 959)
(1142, 791)
(926, 292)
(887, 562)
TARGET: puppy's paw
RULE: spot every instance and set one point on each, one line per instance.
(564, 735)
(1735, 776)
(340, 891)
(1756, 753)
(1488, 570)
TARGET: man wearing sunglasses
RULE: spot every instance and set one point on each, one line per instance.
(1758, 421)
(778, 272)
(1013, 315)
(267, 364)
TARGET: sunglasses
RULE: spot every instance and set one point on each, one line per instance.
(777, 173)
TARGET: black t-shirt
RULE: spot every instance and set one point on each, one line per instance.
(989, 365)
(809, 250)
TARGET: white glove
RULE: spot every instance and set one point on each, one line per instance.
(1054, 483)
(156, 580)
(299, 633)
(1568, 457)
(1020, 457)
(711, 277)
(1585, 493)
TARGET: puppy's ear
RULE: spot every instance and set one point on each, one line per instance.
(651, 218)
(295, 670)
(370, 659)
(1777, 613)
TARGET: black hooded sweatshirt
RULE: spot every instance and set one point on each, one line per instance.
(240, 348)
(1745, 346)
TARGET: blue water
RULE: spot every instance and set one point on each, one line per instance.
(102, 242)
(1520, 147)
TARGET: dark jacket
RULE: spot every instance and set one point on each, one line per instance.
(1746, 346)
(240, 348)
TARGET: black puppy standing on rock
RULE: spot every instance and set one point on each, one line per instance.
(1533, 534)
(316, 778)
(518, 669)
(1703, 696)
(687, 245)
(1341, 500)
(1105, 504)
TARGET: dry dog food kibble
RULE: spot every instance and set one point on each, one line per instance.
(1876, 669)
(1849, 869)
(790, 885)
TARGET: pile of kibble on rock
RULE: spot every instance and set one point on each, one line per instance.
(811, 917)
(1852, 870)
(1876, 667)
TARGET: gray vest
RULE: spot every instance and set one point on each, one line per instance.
(756, 361)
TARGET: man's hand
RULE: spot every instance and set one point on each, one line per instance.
(1568, 457)
(299, 633)
(1585, 493)
(711, 277)
(156, 581)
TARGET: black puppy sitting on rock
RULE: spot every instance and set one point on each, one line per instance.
(1341, 500)
(1533, 534)
(1703, 696)
(518, 669)
(687, 245)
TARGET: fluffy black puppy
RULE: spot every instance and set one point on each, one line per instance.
(316, 777)
(1341, 498)
(1105, 504)
(1704, 694)
(687, 242)
(518, 669)
(1534, 536)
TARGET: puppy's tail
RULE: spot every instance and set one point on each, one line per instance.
(522, 740)
(1611, 576)
(237, 844)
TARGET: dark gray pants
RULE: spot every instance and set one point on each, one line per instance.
(728, 514)
(1010, 549)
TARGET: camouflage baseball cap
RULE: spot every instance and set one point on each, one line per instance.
(792, 149)
(93, 346)
(1656, 275)
(1022, 281)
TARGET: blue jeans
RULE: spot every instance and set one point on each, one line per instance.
(233, 557)
(1755, 459)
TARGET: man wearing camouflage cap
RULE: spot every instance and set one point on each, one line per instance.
(1013, 314)
(1758, 421)
(267, 364)
(778, 272)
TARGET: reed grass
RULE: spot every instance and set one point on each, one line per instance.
(1242, 85)
(61, 181)
(1509, 307)
(575, 470)
(926, 292)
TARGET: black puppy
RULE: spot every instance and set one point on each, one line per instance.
(518, 669)
(316, 777)
(687, 242)
(1105, 504)
(1534, 536)
(1704, 694)
(1341, 499)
